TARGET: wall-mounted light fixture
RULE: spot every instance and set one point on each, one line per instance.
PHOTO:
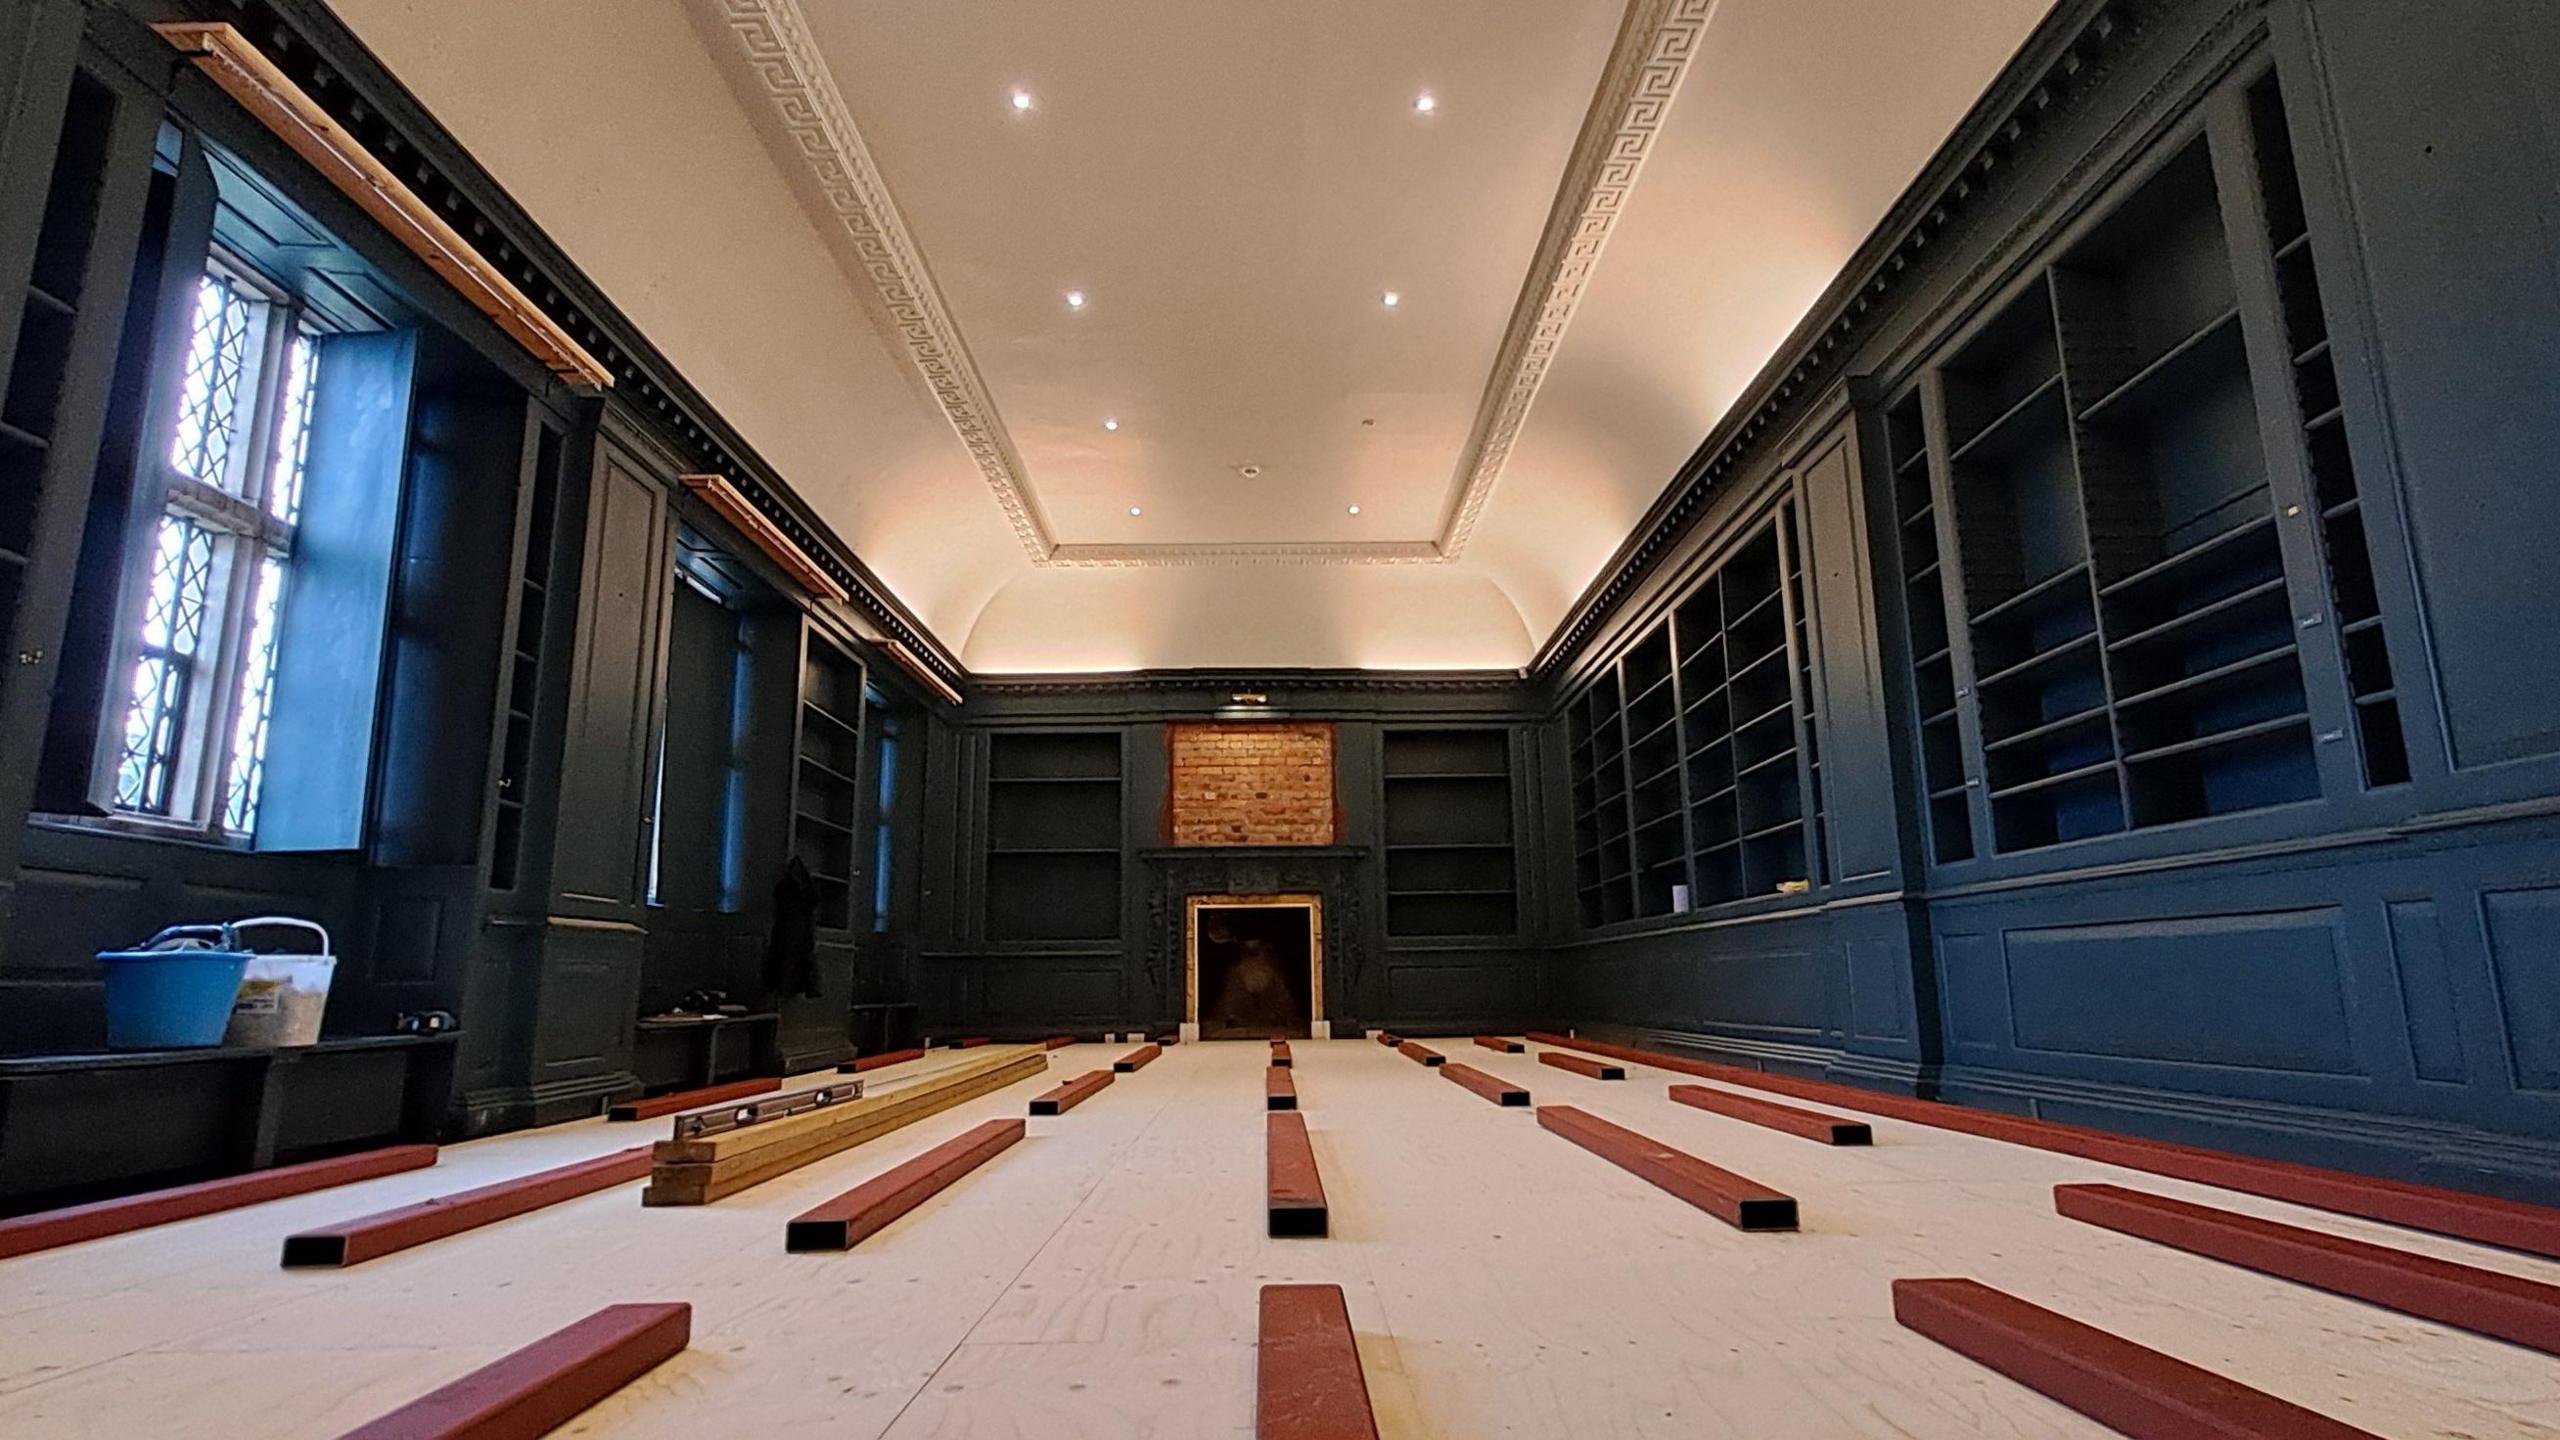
(270, 96)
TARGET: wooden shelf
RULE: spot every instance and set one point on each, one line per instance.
(2217, 343)
(2003, 432)
(2234, 736)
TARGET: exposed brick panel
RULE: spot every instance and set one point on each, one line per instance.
(1252, 784)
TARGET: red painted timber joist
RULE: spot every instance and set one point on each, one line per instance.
(874, 1062)
(657, 1105)
(1496, 1042)
(2127, 1387)
(1296, 1190)
(1421, 1054)
(970, 1043)
(1741, 1203)
(1063, 1098)
(1057, 1042)
(867, 1208)
(49, 1229)
(1390, 1039)
(1280, 1054)
(536, 1390)
(1279, 1091)
(1829, 1129)
(1499, 1091)
(2507, 1307)
(1137, 1059)
(353, 1242)
(1307, 1379)
(2459, 1214)
(1582, 1065)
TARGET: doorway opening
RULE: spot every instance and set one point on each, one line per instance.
(1256, 966)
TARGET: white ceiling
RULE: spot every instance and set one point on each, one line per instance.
(831, 217)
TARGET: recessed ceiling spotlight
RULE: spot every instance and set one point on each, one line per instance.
(1021, 99)
(1134, 510)
(1250, 472)
(1110, 424)
(1391, 299)
(1075, 299)
(1423, 104)
(1355, 509)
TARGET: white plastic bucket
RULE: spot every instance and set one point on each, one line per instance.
(282, 997)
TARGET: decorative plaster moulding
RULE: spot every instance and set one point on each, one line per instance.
(790, 94)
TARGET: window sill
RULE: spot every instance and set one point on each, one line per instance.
(134, 827)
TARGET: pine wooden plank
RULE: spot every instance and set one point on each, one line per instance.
(2459, 1214)
(1308, 1384)
(2487, 1302)
(868, 1208)
(2128, 1387)
(370, 1237)
(726, 1169)
(45, 1230)
(535, 1390)
(1829, 1129)
(1740, 1202)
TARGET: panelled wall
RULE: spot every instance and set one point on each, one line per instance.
(464, 778)
(2180, 755)
(1054, 886)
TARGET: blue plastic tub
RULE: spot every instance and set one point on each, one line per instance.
(170, 999)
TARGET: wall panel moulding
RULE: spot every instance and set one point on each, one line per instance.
(270, 96)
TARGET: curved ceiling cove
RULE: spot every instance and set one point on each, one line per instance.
(1170, 335)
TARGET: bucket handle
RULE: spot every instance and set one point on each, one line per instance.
(227, 933)
(292, 921)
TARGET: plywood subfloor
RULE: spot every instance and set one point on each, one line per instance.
(1100, 1279)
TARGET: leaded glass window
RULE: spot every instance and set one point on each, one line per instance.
(209, 409)
(165, 666)
(203, 646)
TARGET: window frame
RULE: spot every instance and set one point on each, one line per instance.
(238, 509)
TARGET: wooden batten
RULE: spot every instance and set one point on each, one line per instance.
(1063, 1098)
(1492, 1087)
(868, 1208)
(1307, 1379)
(1829, 1129)
(370, 1237)
(275, 101)
(882, 1060)
(1279, 1089)
(1297, 1206)
(2126, 1387)
(543, 1386)
(1738, 1201)
(1500, 1043)
(732, 505)
(1421, 1054)
(46, 1229)
(1582, 1065)
(1138, 1059)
